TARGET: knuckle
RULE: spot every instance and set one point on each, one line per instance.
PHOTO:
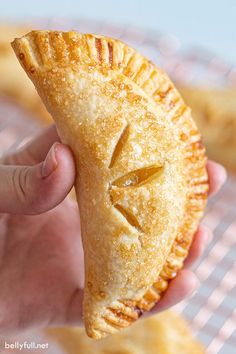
(20, 182)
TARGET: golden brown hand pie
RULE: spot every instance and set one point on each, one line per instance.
(166, 333)
(141, 179)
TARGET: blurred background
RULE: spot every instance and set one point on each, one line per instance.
(195, 43)
(207, 23)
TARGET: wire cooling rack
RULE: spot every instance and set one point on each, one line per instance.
(211, 312)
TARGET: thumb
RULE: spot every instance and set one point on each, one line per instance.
(39, 188)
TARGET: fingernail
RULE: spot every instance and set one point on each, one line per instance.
(50, 163)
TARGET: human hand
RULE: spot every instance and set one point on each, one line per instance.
(41, 256)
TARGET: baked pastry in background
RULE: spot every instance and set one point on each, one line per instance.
(141, 179)
(13, 83)
(214, 111)
(166, 333)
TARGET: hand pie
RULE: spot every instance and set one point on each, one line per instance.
(165, 333)
(141, 180)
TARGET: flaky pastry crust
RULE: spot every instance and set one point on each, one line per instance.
(141, 180)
